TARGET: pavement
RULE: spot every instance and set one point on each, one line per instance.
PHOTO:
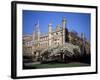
(31, 63)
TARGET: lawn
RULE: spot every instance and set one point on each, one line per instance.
(55, 65)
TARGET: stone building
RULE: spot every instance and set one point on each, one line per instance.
(35, 43)
(38, 41)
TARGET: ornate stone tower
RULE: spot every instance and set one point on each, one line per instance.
(37, 32)
(36, 39)
(64, 29)
(50, 34)
(36, 36)
(83, 50)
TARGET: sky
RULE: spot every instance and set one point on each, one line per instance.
(79, 22)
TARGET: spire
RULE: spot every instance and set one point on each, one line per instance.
(83, 35)
(37, 31)
(50, 24)
(64, 22)
(50, 31)
(37, 26)
(50, 27)
(64, 19)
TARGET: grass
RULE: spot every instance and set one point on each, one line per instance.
(56, 65)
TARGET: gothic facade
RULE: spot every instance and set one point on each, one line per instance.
(35, 43)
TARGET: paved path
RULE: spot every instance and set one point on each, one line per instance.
(32, 63)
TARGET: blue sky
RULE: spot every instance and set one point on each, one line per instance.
(79, 22)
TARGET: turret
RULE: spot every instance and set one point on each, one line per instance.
(64, 22)
(50, 27)
(38, 28)
(50, 31)
(37, 32)
(63, 30)
(83, 50)
(33, 36)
